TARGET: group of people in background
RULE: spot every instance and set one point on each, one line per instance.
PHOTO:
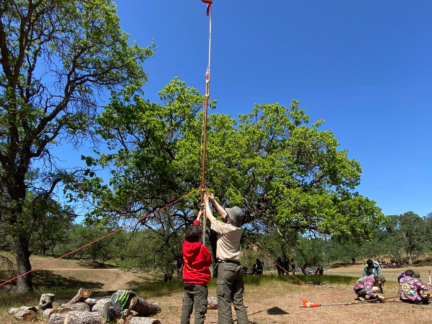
(283, 267)
(410, 285)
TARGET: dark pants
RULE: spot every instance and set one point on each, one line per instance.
(280, 270)
(424, 301)
(230, 289)
(194, 294)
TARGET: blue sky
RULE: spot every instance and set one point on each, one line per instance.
(362, 66)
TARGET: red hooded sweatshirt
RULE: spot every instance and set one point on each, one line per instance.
(197, 261)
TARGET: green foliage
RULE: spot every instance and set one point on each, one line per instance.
(57, 57)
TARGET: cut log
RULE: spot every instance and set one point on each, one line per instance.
(80, 307)
(64, 310)
(144, 320)
(91, 302)
(46, 301)
(76, 318)
(13, 311)
(212, 303)
(47, 313)
(81, 295)
(141, 306)
(25, 315)
(99, 306)
(126, 315)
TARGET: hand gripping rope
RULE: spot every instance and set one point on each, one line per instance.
(100, 239)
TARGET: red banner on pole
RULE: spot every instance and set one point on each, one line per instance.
(209, 3)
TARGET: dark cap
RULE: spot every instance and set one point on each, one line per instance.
(381, 277)
(236, 215)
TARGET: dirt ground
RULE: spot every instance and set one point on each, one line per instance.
(279, 303)
(270, 302)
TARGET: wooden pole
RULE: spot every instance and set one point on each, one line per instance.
(206, 102)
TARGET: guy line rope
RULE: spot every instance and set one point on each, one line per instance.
(101, 238)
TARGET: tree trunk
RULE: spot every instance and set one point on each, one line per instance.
(409, 256)
(47, 313)
(142, 306)
(22, 258)
(46, 301)
(25, 316)
(98, 307)
(76, 318)
(144, 320)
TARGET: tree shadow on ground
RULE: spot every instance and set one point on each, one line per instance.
(54, 281)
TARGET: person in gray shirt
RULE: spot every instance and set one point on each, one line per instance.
(230, 286)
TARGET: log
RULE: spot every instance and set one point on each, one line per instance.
(99, 306)
(81, 295)
(46, 301)
(76, 318)
(212, 303)
(47, 313)
(144, 320)
(13, 311)
(80, 307)
(126, 315)
(141, 306)
(64, 310)
(91, 302)
(25, 315)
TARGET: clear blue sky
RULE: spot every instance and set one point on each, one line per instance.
(362, 66)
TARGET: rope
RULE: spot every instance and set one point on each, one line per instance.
(99, 239)
(310, 287)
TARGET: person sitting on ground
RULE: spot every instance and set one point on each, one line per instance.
(372, 268)
(230, 286)
(367, 287)
(196, 274)
(410, 287)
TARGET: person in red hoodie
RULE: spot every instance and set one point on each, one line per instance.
(196, 274)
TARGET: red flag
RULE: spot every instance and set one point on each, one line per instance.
(209, 3)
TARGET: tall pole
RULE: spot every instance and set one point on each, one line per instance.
(206, 101)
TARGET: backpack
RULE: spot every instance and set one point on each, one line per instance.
(116, 305)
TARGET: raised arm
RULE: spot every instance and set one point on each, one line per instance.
(197, 221)
(218, 207)
(208, 212)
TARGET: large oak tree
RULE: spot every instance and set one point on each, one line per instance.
(57, 58)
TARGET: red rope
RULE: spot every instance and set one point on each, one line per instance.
(310, 287)
(99, 239)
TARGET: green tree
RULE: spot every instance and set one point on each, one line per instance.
(287, 174)
(57, 56)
